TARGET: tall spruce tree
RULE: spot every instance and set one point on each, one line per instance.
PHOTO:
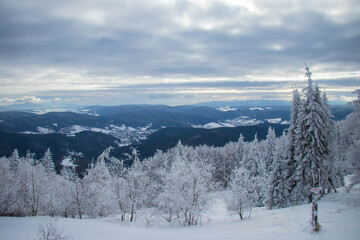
(253, 162)
(296, 106)
(353, 131)
(312, 144)
(270, 149)
(279, 180)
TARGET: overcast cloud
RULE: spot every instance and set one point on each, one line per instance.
(175, 51)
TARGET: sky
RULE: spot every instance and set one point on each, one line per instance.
(174, 52)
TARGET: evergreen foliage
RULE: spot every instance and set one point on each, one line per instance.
(313, 139)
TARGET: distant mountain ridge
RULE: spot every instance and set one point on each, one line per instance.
(245, 103)
(89, 130)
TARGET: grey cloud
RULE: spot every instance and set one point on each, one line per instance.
(214, 84)
(347, 82)
(144, 39)
(140, 51)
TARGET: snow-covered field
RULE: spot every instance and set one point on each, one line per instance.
(237, 122)
(339, 215)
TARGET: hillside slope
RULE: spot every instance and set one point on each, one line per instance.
(339, 215)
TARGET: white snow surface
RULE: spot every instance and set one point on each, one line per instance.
(236, 122)
(74, 110)
(256, 108)
(226, 109)
(274, 120)
(40, 130)
(68, 162)
(126, 135)
(339, 216)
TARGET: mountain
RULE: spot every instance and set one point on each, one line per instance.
(167, 138)
(85, 132)
(247, 103)
(37, 106)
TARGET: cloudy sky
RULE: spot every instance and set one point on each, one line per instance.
(173, 52)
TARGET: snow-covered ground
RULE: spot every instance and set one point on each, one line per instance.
(236, 122)
(339, 215)
(40, 130)
(74, 110)
(226, 109)
(126, 135)
(256, 108)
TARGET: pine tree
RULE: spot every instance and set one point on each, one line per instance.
(270, 148)
(14, 160)
(293, 136)
(48, 162)
(256, 167)
(295, 112)
(312, 143)
(279, 184)
(353, 131)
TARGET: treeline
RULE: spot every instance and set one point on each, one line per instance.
(176, 185)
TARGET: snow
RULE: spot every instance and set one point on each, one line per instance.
(74, 110)
(256, 108)
(68, 162)
(126, 135)
(274, 120)
(236, 122)
(40, 130)
(339, 216)
(277, 121)
(212, 125)
(226, 109)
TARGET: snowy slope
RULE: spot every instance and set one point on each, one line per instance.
(339, 215)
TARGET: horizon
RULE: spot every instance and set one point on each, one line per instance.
(212, 104)
(175, 52)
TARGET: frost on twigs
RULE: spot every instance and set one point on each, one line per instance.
(50, 231)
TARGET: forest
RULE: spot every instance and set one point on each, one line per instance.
(315, 151)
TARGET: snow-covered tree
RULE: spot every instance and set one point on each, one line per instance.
(313, 139)
(243, 195)
(7, 186)
(30, 190)
(254, 163)
(14, 160)
(52, 196)
(341, 166)
(185, 192)
(270, 149)
(353, 131)
(118, 173)
(230, 157)
(47, 161)
(279, 183)
(136, 182)
(294, 135)
(98, 195)
(73, 198)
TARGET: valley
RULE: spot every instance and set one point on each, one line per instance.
(89, 130)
